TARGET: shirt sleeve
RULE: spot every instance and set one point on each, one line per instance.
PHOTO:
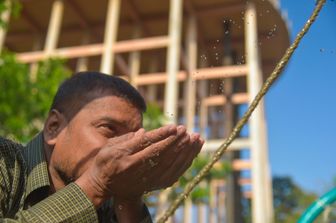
(148, 218)
(67, 205)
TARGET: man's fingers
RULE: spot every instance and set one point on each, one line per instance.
(183, 161)
(157, 149)
(159, 134)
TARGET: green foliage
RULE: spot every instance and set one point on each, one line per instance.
(290, 201)
(153, 117)
(14, 6)
(25, 100)
(201, 192)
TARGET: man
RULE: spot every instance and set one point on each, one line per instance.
(92, 149)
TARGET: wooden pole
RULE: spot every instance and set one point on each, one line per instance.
(190, 84)
(190, 94)
(221, 208)
(111, 29)
(201, 213)
(267, 178)
(173, 58)
(82, 62)
(54, 27)
(212, 201)
(37, 45)
(202, 92)
(152, 89)
(5, 18)
(134, 60)
(187, 211)
(260, 211)
(171, 88)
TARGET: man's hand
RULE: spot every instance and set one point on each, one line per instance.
(134, 163)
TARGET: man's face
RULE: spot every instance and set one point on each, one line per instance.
(88, 131)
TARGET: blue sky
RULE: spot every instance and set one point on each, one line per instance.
(301, 106)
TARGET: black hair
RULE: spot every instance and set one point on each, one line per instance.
(83, 87)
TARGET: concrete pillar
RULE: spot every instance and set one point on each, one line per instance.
(54, 27)
(111, 30)
(260, 186)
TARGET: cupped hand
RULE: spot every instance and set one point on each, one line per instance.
(138, 162)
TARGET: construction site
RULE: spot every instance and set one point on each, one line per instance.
(200, 61)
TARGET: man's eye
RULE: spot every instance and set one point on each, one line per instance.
(107, 130)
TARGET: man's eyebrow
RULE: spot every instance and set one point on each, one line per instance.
(110, 120)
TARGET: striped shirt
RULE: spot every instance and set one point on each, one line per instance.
(25, 190)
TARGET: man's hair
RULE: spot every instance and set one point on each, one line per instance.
(83, 87)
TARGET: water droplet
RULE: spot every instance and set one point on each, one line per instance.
(321, 50)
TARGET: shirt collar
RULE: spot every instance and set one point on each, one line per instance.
(37, 167)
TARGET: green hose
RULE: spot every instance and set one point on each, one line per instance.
(316, 208)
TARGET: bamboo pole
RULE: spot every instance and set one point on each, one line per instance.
(111, 30)
(54, 27)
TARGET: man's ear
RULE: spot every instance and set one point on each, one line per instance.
(54, 124)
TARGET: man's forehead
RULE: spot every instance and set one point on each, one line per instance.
(112, 109)
(110, 102)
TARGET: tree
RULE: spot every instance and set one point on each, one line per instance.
(153, 117)
(14, 7)
(25, 101)
(290, 201)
